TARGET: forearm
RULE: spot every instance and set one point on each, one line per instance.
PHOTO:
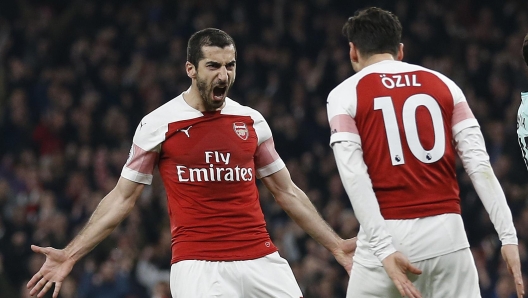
(301, 210)
(490, 192)
(112, 209)
(472, 151)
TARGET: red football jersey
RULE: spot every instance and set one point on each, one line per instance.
(209, 163)
(404, 116)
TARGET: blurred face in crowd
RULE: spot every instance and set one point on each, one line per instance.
(215, 74)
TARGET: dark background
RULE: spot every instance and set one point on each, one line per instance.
(77, 76)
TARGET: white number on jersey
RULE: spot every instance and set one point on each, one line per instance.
(411, 131)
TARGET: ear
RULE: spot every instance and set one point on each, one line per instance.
(190, 69)
(354, 56)
(400, 52)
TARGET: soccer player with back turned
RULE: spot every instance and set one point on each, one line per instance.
(395, 130)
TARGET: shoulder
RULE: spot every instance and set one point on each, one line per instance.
(174, 110)
(152, 128)
(445, 79)
(234, 108)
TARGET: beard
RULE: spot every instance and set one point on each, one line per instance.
(207, 92)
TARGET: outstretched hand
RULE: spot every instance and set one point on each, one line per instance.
(54, 270)
(345, 253)
(397, 266)
(510, 254)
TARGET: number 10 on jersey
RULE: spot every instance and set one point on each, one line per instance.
(385, 104)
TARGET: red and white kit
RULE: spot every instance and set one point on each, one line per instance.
(208, 162)
(395, 130)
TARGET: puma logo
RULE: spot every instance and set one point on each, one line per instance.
(186, 131)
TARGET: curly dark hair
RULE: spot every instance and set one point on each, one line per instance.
(374, 31)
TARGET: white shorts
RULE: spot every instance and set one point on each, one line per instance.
(453, 275)
(269, 276)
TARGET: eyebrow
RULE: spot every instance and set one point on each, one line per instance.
(217, 64)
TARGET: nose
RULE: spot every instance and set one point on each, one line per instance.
(222, 74)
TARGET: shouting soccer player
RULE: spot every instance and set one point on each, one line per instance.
(396, 128)
(209, 150)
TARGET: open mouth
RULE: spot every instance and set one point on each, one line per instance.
(219, 92)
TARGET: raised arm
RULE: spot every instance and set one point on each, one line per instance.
(299, 207)
(112, 209)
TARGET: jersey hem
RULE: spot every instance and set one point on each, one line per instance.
(409, 212)
(368, 263)
(219, 258)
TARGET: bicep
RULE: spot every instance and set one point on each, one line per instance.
(349, 158)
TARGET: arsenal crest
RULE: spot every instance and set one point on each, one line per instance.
(241, 130)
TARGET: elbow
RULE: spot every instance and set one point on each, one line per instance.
(479, 167)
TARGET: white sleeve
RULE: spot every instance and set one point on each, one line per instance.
(472, 151)
(357, 183)
(144, 152)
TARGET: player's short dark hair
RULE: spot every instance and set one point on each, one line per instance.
(207, 37)
(525, 49)
(374, 31)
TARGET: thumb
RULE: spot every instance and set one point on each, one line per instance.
(413, 269)
(38, 249)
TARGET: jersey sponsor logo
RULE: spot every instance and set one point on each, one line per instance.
(398, 81)
(218, 169)
(241, 130)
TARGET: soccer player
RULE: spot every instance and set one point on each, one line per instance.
(522, 114)
(209, 150)
(395, 130)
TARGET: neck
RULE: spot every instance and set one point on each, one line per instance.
(375, 59)
(192, 97)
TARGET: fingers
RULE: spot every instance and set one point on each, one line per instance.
(40, 250)
(41, 283)
(519, 286)
(57, 289)
(407, 289)
(400, 288)
(413, 269)
(411, 291)
(34, 280)
(514, 267)
(37, 249)
(45, 289)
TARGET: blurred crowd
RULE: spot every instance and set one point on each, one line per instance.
(77, 76)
